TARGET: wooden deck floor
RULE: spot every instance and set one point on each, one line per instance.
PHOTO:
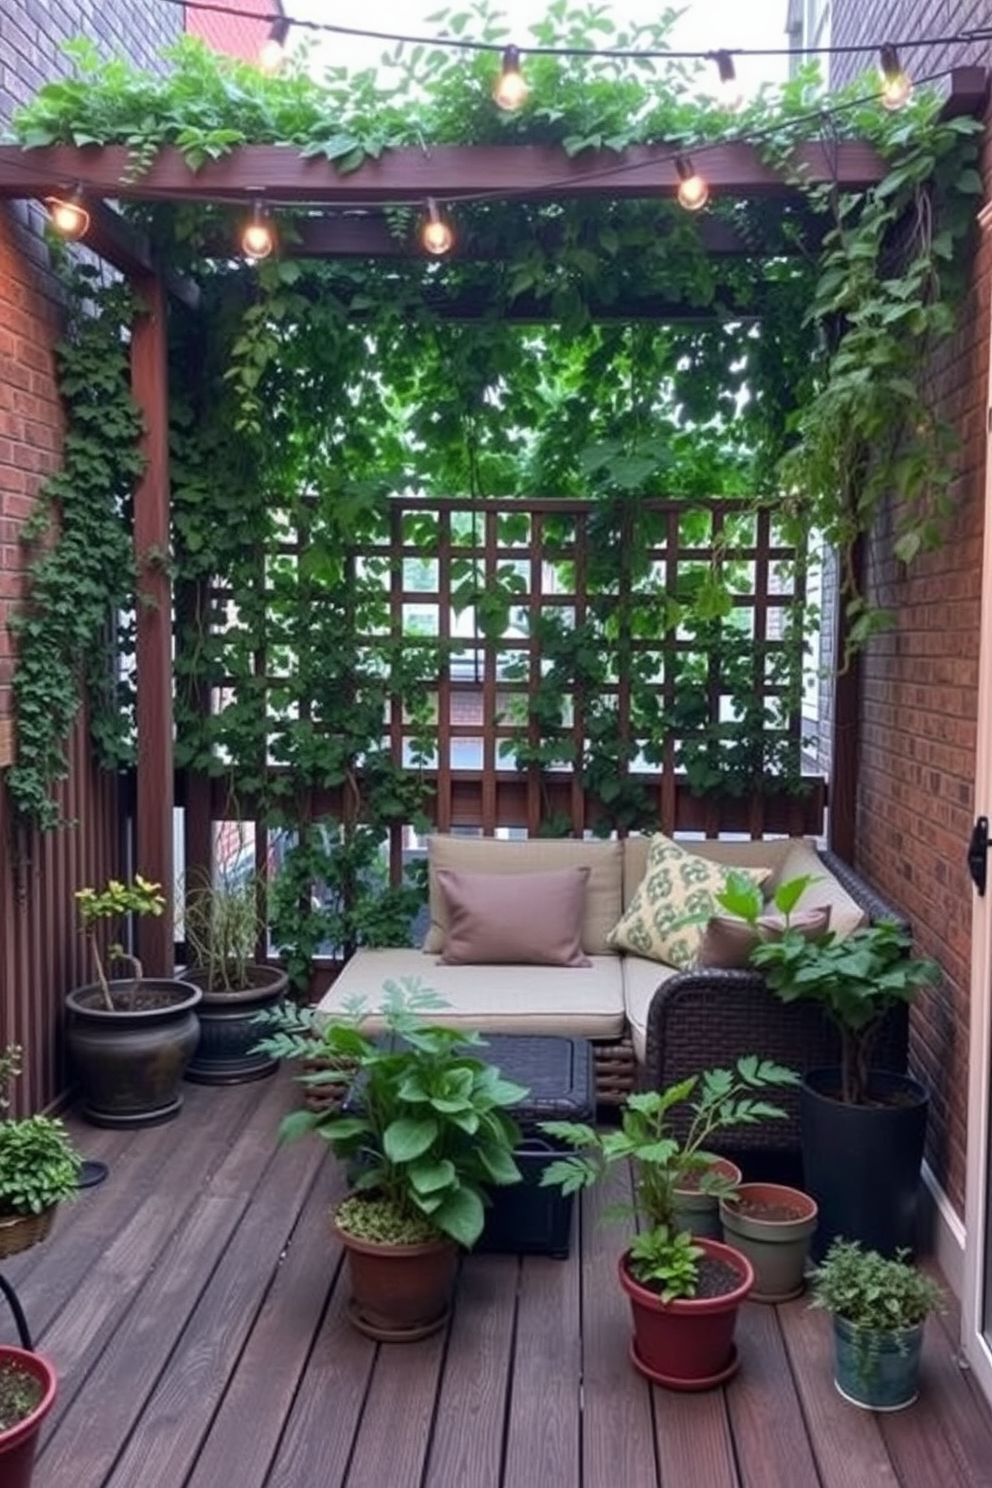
(193, 1304)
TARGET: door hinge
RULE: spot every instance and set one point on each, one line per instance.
(978, 853)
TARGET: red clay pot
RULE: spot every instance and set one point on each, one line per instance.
(687, 1344)
(17, 1446)
(399, 1293)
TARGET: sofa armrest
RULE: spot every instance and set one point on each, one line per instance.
(709, 1017)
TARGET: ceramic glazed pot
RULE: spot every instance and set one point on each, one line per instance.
(687, 1344)
(399, 1293)
(878, 1371)
(699, 1213)
(773, 1226)
(228, 1033)
(130, 1062)
(17, 1446)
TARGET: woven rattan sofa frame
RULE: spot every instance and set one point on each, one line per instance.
(709, 1018)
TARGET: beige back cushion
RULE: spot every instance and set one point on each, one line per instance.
(533, 855)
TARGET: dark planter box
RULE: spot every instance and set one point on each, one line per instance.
(526, 1219)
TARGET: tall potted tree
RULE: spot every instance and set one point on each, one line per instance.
(129, 1039)
(427, 1131)
(876, 1118)
(224, 922)
(684, 1290)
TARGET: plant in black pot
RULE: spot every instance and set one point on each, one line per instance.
(684, 1289)
(879, 1305)
(224, 922)
(129, 1039)
(39, 1167)
(426, 1131)
(875, 1118)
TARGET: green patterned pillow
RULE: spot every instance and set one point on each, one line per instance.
(659, 922)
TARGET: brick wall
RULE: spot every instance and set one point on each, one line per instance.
(237, 35)
(920, 683)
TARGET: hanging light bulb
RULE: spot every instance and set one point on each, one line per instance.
(272, 53)
(897, 85)
(694, 191)
(69, 216)
(436, 234)
(729, 93)
(510, 90)
(258, 238)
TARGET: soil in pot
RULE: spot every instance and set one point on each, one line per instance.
(20, 1394)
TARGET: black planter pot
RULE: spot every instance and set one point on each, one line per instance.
(228, 1032)
(129, 1062)
(862, 1163)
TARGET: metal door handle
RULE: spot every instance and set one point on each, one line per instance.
(978, 853)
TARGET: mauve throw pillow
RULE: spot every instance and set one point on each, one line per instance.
(533, 919)
(728, 941)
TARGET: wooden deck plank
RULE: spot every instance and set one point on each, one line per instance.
(245, 1433)
(395, 1427)
(467, 1445)
(543, 1421)
(764, 1387)
(846, 1442)
(618, 1422)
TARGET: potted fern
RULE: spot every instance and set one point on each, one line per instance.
(129, 1039)
(684, 1289)
(224, 922)
(879, 1305)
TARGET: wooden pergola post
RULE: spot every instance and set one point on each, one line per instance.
(153, 621)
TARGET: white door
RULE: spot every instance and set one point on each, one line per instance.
(976, 1314)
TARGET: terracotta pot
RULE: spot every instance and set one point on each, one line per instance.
(399, 1293)
(225, 1054)
(775, 1241)
(698, 1212)
(687, 1344)
(17, 1446)
(130, 1062)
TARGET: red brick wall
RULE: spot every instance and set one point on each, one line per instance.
(237, 35)
(920, 683)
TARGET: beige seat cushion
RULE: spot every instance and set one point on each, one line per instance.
(534, 855)
(666, 918)
(641, 979)
(571, 1001)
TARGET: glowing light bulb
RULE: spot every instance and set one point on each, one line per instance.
(897, 85)
(257, 238)
(272, 52)
(694, 191)
(436, 234)
(511, 89)
(70, 218)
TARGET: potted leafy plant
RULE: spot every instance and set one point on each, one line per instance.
(39, 1166)
(426, 1130)
(684, 1290)
(224, 922)
(27, 1394)
(877, 1118)
(879, 1306)
(129, 1039)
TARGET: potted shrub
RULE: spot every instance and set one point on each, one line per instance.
(129, 1039)
(684, 1290)
(39, 1166)
(223, 922)
(879, 1305)
(427, 1132)
(877, 1118)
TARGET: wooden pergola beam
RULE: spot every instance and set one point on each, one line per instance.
(278, 174)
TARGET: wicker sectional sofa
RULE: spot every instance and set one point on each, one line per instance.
(649, 1023)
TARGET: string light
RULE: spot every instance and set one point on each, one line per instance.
(272, 53)
(511, 89)
(258, 238)
(897, 85)
(694, 191)
(729, 92)
(68, 214)
(436, 235)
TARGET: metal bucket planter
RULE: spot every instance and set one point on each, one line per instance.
(130, 1061)
(878, 1371)
(773, 1225)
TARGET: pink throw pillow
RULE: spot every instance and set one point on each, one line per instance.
(728, 941)
(532, 919)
